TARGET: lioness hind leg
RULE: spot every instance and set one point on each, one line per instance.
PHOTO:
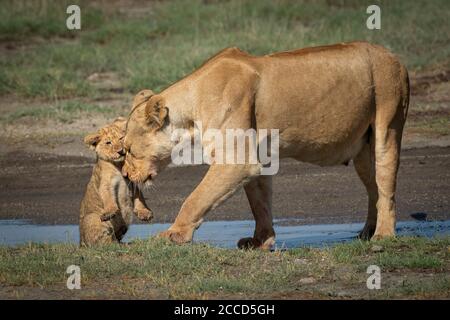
(365, 167)
(259, 194)
(387, 153)
(392, 101)
(388, 135)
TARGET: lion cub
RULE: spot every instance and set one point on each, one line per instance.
(110, 199)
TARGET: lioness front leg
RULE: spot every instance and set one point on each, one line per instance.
(140, 208)
(220, 182)
(110, 207)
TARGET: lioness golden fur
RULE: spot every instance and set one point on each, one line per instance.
(331, 104)
(110, 200)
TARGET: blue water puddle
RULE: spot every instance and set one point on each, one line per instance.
(219, 233)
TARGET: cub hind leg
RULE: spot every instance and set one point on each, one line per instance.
(93, 231)
(387, 158)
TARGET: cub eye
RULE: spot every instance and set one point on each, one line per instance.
(108, 142)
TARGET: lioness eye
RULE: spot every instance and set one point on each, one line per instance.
(108, 142)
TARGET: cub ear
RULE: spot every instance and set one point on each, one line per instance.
(120, 122)
(91, 140)
(156, 112)
(120, 119)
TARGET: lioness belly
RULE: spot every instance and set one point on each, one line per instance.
(321, 153)
(322, 105)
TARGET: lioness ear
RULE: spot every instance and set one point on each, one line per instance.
(142, 96)
(91, 140)
(156, 112)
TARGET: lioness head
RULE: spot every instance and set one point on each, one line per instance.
(147, 142)
(108, 141)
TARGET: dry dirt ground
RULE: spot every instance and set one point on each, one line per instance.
(48, 188)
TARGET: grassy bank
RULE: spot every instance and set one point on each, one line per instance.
(150, 45)
(410, 267)
(56, 82)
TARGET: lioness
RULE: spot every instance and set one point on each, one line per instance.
(331, 104)
(109, 201)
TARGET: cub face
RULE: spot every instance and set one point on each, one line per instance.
(108, 141)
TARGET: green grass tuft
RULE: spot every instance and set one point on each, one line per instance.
(166, 40)
(61, 111)
(198, 270)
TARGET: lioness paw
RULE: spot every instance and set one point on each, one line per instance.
(367, 232)
(248, 243)
(175, 236)
(252, 243)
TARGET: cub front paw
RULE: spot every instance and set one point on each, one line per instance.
(144, 214)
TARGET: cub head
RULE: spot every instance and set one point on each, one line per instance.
(147, 140)
(108, 141)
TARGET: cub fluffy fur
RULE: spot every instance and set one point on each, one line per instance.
(110, 199)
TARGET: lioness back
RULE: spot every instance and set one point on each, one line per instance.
(322, 100)
(326, 120)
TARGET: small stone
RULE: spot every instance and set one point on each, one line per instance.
(309, 280)
(376, 248)
(93, 77)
